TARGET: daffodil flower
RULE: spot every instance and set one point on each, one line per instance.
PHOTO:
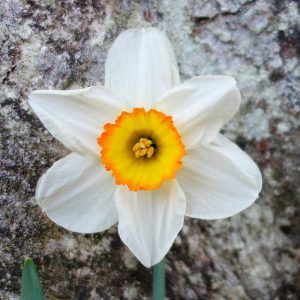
(146, 149)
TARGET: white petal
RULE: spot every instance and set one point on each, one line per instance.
(78, 194)
(149, 221)
(201, 106)
(76, 117)
(219, 180)
(141, 66)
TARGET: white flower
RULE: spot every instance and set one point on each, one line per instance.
(187, 167)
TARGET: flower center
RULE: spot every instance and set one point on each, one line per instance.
(142, 149)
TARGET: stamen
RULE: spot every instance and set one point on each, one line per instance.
(150, 152)
(143, 147)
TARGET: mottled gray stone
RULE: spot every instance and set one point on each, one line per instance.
(203, 9)
(63, 44)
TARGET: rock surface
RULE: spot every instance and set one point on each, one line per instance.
(63, 44)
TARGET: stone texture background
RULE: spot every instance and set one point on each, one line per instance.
(63, 44)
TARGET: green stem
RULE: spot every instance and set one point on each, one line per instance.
(159, 281)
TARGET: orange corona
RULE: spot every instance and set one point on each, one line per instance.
(142, 149)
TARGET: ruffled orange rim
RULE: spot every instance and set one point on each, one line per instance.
(118, 139)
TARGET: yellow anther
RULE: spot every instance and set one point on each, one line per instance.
(136, 147)
(143, 152)
(150, 152)
(146, 142)
(143, 147)
(137, 153)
